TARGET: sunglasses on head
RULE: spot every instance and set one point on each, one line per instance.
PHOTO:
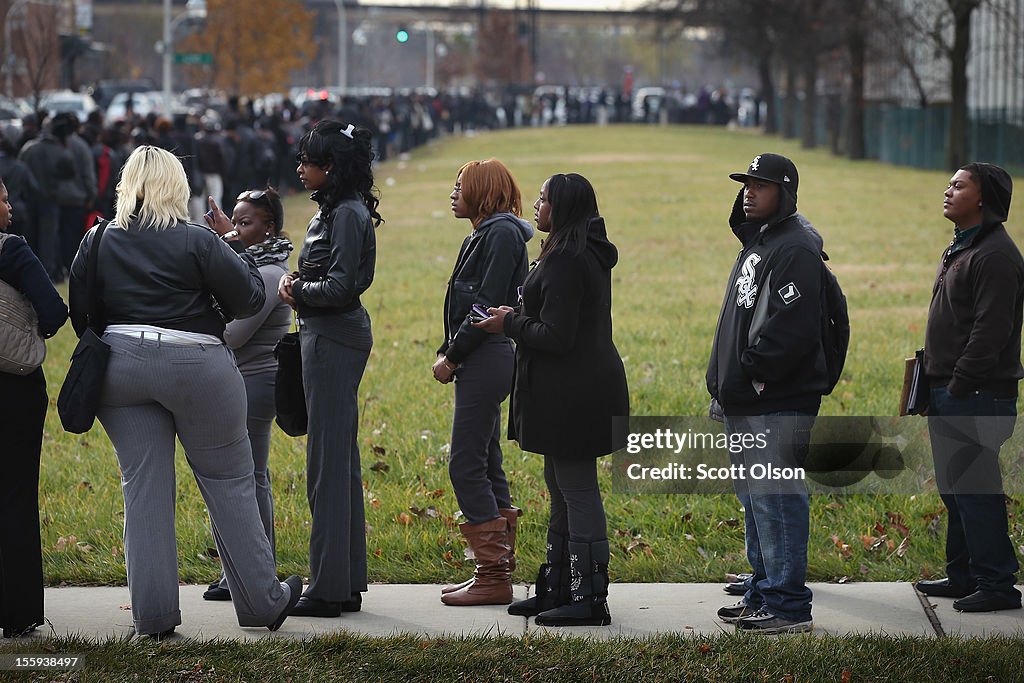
(251, 195)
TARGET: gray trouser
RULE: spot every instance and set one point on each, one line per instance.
(482, 382)
(576, 507)
(260, 412)
(154, 392)
(331, 373)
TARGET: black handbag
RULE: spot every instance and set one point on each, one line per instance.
(80, 394)
(289, 396)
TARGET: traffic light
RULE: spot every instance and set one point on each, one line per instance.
(402, 35)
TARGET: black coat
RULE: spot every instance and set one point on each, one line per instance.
(569, 380)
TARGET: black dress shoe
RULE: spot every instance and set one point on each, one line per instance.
(159, 636)
(215, 592)
(295, 584)
(942, 588)
(987, 601)
(353, 605)
(20, 631)
(315, 607)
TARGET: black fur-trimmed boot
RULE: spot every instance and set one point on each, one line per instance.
(552, 587)
(588, 588)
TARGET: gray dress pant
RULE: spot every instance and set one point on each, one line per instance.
(482, 382)
(155, 391)
(331, 373)
(259, 418)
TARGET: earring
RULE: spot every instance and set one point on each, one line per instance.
(267, 234)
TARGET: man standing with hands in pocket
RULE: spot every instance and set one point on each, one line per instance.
(972, 360)
(766, 377)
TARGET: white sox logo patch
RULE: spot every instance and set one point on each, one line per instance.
(754, 163)
(746, 290)
(789, 293)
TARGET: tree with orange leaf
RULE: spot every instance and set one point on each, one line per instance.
(255, 45)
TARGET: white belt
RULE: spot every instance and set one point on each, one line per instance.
(163, 338)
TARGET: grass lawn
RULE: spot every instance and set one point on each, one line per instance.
(344, 657)
(666, 197)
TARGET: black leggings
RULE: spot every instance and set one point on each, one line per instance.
(576, 507)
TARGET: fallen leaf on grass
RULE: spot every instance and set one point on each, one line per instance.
(731, 522)
(65, 542)
(125, 608)
(904, 546)
(842, 546)
(380, 466)
(378, 552)
(704, 649)
(846, 677)
(379, 450)
(404, 518)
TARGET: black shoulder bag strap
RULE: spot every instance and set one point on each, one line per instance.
(93, 316)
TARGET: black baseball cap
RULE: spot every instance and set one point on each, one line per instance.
(774, 168)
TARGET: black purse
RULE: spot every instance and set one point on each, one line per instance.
(80, 394)
(289, 396)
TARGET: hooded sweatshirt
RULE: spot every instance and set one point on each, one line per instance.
(490, 268)
(973, 335)
(767, 354)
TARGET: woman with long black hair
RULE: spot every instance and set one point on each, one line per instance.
(569, 384)
(336, 266)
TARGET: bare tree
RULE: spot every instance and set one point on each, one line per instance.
(945, 25)
(39, 48)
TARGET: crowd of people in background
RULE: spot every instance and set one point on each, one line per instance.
(63, 171)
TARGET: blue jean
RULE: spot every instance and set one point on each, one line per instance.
(776, 513)
(966, 434)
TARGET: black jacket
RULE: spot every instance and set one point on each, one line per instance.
(337, 260)
(489, 270)
(767, 354)
(973, 336)
(166, 278)
(569, 379)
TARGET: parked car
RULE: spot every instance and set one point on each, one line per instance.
(142, 104)
(104, 91)
(60, 101)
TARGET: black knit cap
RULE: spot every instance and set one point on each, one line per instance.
(774, 168)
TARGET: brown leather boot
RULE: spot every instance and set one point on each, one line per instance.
(512, 514)
(492, 581)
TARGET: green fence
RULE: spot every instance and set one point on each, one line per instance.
(917, 136)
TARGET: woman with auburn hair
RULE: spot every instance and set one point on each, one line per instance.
(570, 383)
(164, 286)
(488, 271)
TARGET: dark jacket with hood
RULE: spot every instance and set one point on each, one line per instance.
(973, 336)
(569, 379)
(767, 354)
(489, 270)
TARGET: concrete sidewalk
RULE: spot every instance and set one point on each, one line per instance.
(638, 610)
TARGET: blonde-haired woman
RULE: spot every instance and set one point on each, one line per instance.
(491, 266)
(164, 287)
